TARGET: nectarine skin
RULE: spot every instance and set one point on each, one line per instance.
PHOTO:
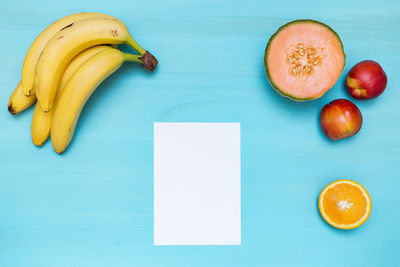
(366, 80)
(340, 119)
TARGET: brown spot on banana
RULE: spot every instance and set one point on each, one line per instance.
(69, 25)
(114, 33)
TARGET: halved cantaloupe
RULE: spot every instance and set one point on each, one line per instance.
(304, 59)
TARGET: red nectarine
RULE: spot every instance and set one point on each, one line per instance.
(340, 119)
(366, 80)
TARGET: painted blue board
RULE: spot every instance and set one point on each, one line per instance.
(93, 206)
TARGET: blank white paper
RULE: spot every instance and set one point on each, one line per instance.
(197, 184)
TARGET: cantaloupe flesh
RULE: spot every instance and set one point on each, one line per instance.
(323, 76)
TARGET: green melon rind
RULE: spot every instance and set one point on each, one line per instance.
(281, 92)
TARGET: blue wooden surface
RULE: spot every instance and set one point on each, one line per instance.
(93, 206)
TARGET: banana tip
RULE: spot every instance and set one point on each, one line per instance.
(38, 144)
(11, 109)
(149, 61)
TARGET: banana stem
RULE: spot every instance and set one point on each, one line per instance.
(148, 61)
(132, 58)
(131, 42)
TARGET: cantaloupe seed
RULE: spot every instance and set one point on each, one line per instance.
(303, 60)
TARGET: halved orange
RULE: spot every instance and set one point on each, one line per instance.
(344, 204)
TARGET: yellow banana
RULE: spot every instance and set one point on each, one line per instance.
(70, 41)
(41, 121)
(78, 90)
(31, 58)
(18, 101)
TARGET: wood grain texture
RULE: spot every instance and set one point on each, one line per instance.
(93, 206)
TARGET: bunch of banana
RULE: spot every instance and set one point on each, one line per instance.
(63, 67)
